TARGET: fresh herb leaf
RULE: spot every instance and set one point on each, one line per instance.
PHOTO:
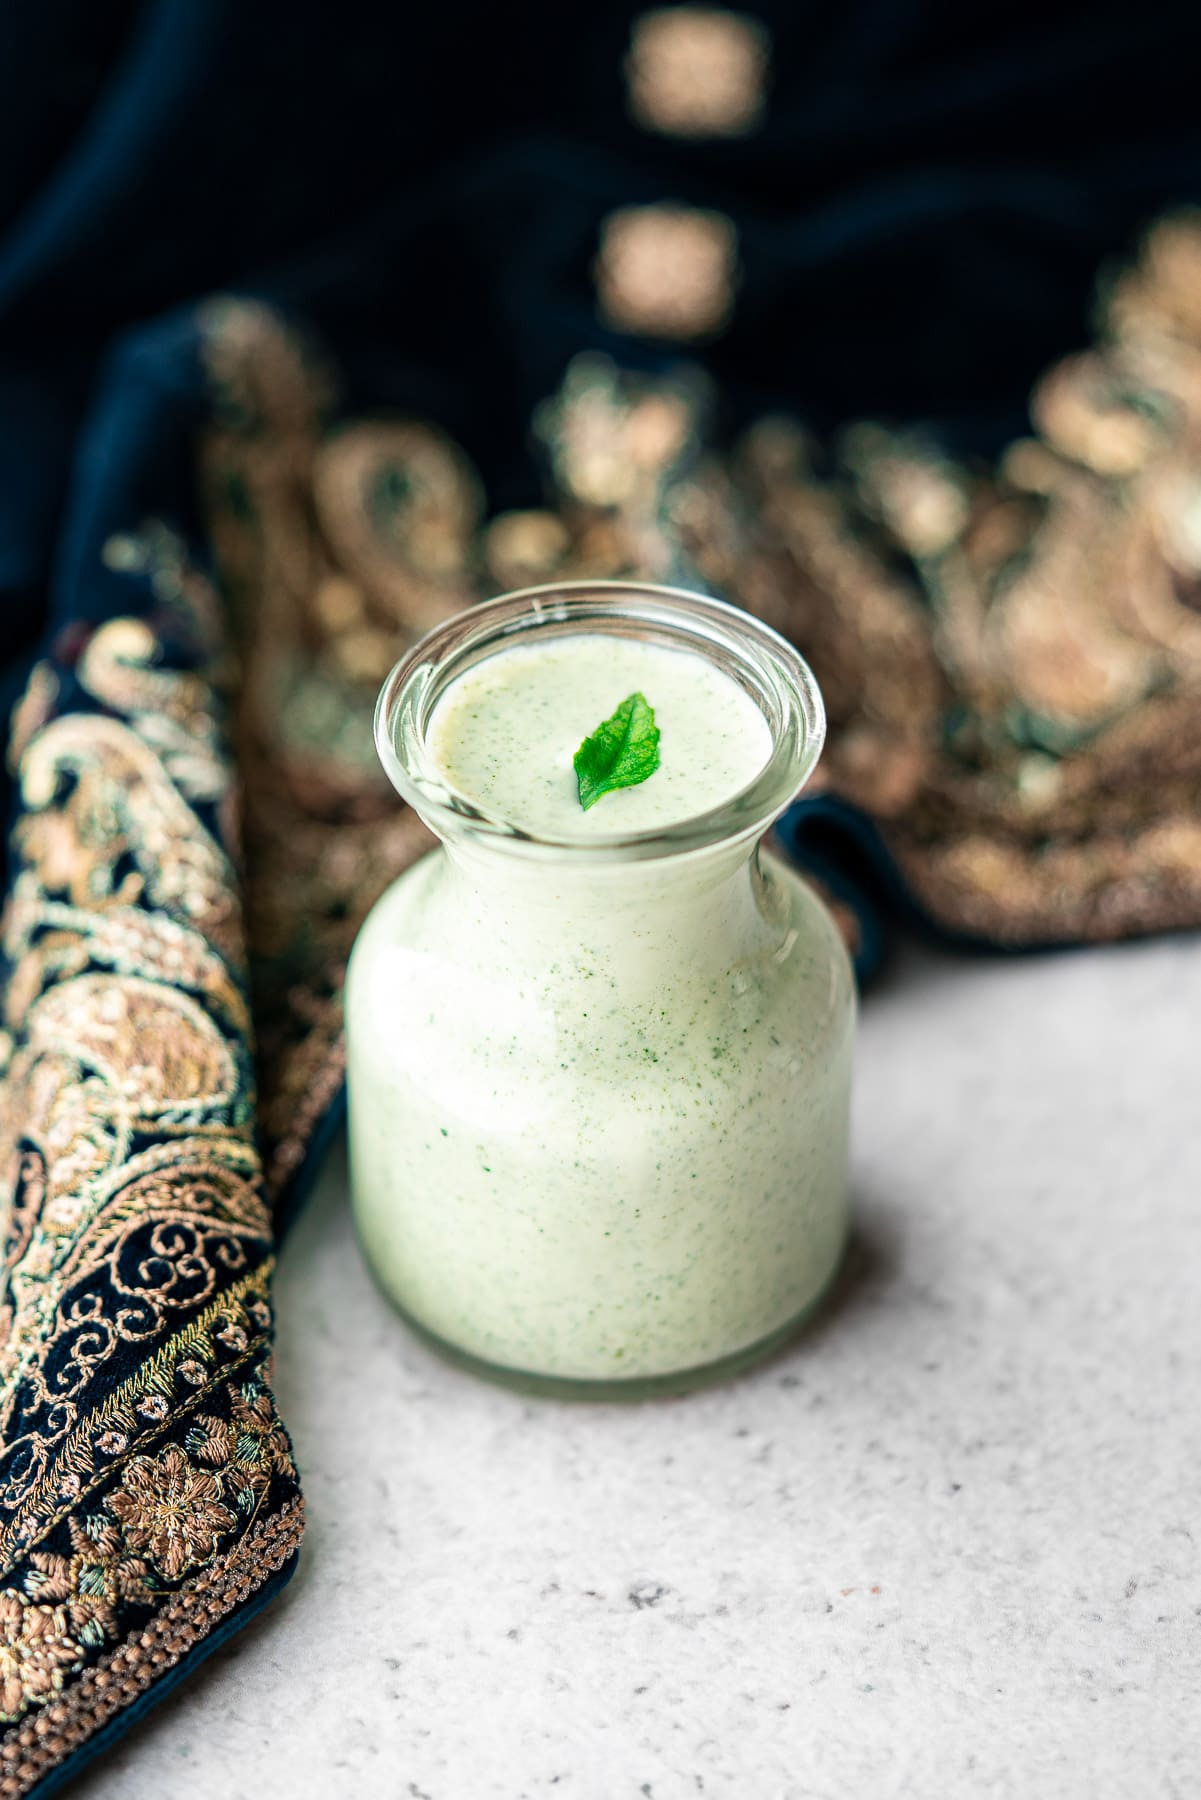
(620, 753)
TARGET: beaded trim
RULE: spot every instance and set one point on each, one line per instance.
(126, 1672)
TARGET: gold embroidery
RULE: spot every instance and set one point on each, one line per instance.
(334, 550)
(179, 587)
(526, 548)
(131, 1412)
(614, 446)
(399, 507)
(124, 1673)
(135, 1217)
(1009, 659)
(251, 1446)
(36, 1652)
(123, 806)
(91, 1583)
(166, 1518)
(31, 711)
(1159, 296)
(171, 1510)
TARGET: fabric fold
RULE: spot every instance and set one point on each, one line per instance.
(201, 825)
(148, 1493)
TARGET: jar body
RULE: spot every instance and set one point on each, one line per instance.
(598, 1121)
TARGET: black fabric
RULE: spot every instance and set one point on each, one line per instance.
(921, 213)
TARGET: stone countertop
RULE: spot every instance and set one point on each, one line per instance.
(944, 1546)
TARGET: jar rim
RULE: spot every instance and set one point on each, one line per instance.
(764, 662)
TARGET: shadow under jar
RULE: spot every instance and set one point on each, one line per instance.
(599, 1062)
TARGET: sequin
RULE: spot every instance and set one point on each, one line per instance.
(697, 71)
(667, 271)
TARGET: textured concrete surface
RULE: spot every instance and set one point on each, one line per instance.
(944, 1546)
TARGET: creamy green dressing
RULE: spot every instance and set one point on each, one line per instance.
(598, 1115)
(504, 734)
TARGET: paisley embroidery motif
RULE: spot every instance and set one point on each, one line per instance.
(133, 1299)
(1010, 658)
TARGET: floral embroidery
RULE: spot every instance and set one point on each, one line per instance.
(171, 1510)
(251, 1445)
(129, 1414)
(120, 1675)
(36, 1651)
(90, 1584)
(170, 1515)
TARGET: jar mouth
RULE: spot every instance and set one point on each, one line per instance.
(764, 664)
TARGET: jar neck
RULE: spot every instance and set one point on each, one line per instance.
(694, 910)
(762, 663)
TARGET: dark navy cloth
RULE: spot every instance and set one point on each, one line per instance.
(921, 214)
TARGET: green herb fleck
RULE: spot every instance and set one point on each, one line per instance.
(620, 753)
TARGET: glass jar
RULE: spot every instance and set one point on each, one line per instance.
(598, 1090)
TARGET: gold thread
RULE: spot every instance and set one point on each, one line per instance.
(123, 1674)
(151, 1372)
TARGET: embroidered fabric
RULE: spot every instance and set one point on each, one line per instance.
(147, 1485)
(681, 252)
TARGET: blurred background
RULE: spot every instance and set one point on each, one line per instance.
(880, 320)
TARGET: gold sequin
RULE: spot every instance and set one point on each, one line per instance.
(697, 71)
(667, 271)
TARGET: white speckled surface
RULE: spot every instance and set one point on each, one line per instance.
(943, 1547)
